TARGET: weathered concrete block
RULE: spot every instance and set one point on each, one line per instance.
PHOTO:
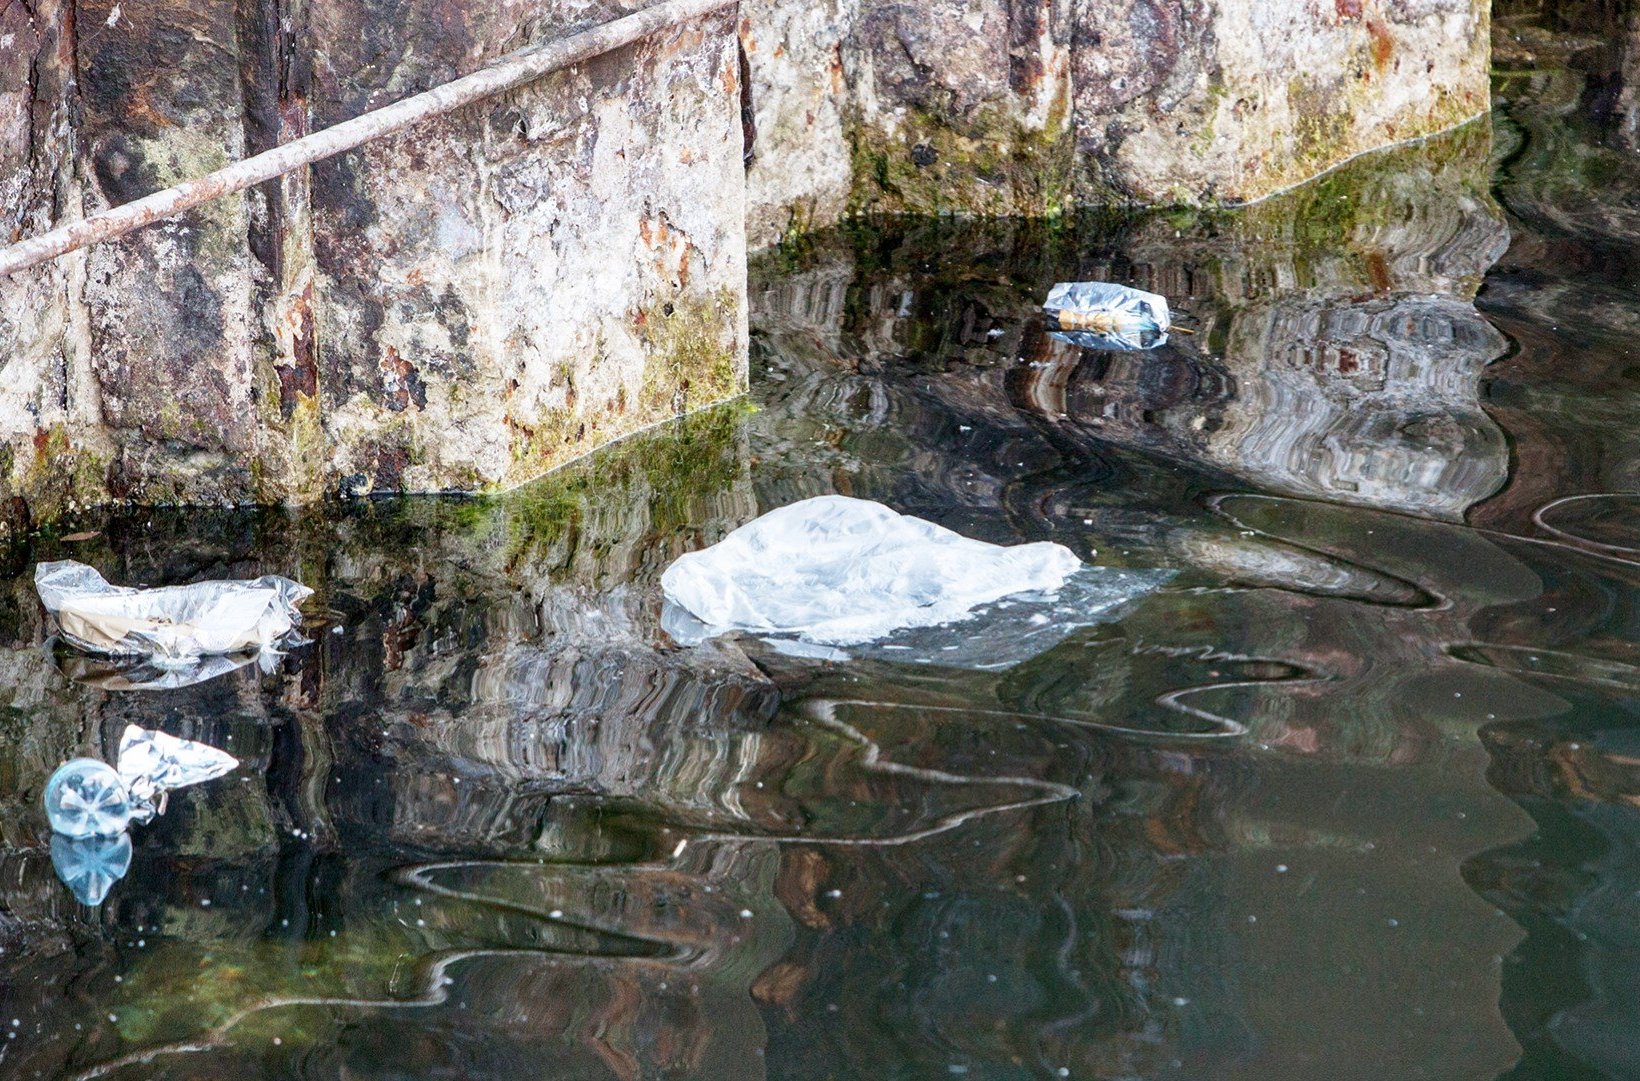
(174, 356)
(798, 172)
(53, 451)
(461, 306)
(871, 105)
(1028, 106)
(1197, 102)
(963, 107)
(865, 105)
(557, 267)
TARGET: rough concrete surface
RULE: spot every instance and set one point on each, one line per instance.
(1029, 106)
(462, 306)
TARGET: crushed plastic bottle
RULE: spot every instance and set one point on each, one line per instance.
(89, 866)
(1103, 315)
(171, 624)
(87, 798)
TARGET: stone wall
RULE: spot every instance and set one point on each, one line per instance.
(1028, 106)
(461, 306)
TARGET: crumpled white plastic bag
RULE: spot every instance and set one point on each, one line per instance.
(841, 571)
(171, 623)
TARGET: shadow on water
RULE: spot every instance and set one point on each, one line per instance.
(494, 820)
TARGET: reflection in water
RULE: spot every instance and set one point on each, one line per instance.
(89, 866)
(1337, 363)
(1604, 520)
(1373, 402)
(139, 674)
(497, 815)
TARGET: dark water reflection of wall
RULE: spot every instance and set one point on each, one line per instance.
(1342, 360)
(1337, 352)
(492, 817)
(407, 810)
(1564, 293)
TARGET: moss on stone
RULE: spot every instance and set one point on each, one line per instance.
(57, 478)
(691, 362)
(1348, 206)
(1321, 136)
(989, 163)
(671, 471)
(690, 365)
(1324, 135)
(289, 464)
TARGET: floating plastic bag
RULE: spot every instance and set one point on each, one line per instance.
(991, 638)
(86, 797)
(839, 571)
(172, 623)
(1015, 629)
(1101, 315)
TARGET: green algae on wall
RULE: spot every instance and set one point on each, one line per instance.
(992, 164)
(661, 477)
(691, 361)
(1350, 221)
(60, 477)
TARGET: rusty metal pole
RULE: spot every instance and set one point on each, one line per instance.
(510, 71)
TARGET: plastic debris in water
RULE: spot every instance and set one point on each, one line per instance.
(1012, 631)
(151, 763)
(1102, 315)
(172, 623)
(89, 866)
(87, 798)
(839, 571)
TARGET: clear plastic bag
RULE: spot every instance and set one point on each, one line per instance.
(172, 623)
(146, 674)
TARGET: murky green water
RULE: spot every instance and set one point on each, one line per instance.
(493, 823)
